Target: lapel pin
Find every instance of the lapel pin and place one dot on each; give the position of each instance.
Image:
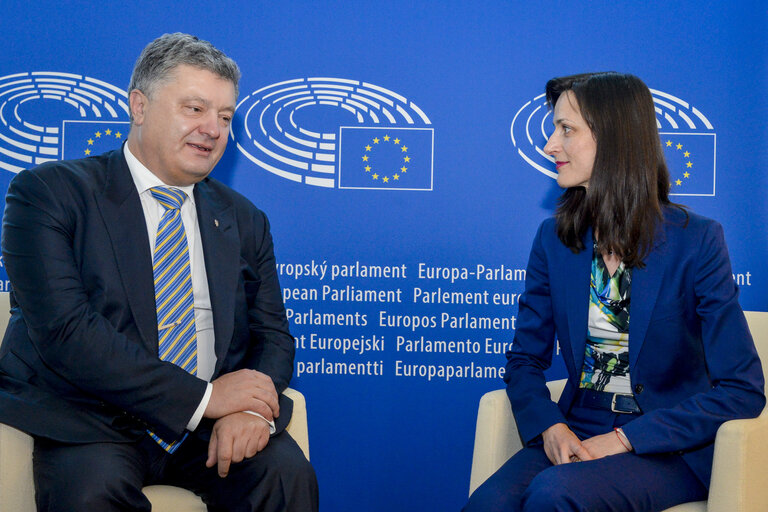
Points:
(216, 222)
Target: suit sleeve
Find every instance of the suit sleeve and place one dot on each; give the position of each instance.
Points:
(73, 340)
(273, 345)
(734, 370)
(532, 350)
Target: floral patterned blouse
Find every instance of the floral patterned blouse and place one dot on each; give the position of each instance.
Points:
(606, 358)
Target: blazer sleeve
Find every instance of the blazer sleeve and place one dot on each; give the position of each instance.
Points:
(735, 375)
(274, 346)
(92, 360)
(532, 349)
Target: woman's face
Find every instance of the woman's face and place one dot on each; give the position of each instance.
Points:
(572, 144)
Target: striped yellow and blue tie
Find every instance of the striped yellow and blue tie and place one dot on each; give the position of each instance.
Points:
(173, 291)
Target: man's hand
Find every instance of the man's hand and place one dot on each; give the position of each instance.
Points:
(562, 446)
(236, 437)
(604, 445)
(243, 390)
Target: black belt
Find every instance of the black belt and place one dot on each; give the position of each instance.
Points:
(615, 402)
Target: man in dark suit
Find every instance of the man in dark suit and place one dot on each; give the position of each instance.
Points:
(148, 341)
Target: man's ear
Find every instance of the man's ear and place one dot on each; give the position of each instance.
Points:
(138, 103)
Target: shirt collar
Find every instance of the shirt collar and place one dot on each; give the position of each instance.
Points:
(144, 179)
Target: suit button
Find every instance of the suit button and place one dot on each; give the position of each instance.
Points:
(638, 389)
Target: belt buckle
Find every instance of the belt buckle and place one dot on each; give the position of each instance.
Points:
(613, 403)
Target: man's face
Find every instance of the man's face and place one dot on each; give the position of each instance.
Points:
(180, 133)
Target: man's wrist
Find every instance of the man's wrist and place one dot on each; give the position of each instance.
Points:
(272, 428)
(194, 421)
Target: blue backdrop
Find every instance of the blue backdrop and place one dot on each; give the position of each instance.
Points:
(396, 147)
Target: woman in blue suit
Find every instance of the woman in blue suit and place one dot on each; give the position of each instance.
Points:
(639, 293)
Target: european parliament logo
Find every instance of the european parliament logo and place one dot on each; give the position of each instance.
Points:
(42, 114)
(336, 133)
(691, 162)
(385, 158)
(688, 139)
(690, 145)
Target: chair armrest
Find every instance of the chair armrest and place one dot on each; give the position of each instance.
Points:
(738, 470)
(496, 437)
(17, 490)
(297, 427)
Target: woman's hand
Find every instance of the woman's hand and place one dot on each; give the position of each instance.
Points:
(562, 446)
(606, 444)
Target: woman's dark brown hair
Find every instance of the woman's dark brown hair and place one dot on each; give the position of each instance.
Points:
(630, 181)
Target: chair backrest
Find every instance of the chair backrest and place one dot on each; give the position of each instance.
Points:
(17, 491)
(5, 313)
(758, 326)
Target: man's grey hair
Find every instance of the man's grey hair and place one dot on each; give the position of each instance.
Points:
(158, 60)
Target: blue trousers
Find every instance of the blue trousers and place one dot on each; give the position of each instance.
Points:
(627, 482)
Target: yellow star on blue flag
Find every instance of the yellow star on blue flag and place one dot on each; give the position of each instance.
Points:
(89, 138)
(691, 161)
(386, 158)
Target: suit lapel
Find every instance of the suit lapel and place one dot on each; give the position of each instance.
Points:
(120, 208)
(577, 295)
(646, 285)
(221, 248)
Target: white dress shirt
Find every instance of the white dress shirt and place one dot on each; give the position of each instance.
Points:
(144, 180)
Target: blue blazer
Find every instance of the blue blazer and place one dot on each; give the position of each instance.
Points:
(79, 360)
(692, 361)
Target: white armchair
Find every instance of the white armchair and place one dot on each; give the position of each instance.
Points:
(17, 491)
(741, 448)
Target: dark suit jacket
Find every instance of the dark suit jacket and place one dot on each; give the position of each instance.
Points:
(79, 360)
(693, 363)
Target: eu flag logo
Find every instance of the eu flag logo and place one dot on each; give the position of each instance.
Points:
(691, 161)
(386, 158)
(88, 138)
